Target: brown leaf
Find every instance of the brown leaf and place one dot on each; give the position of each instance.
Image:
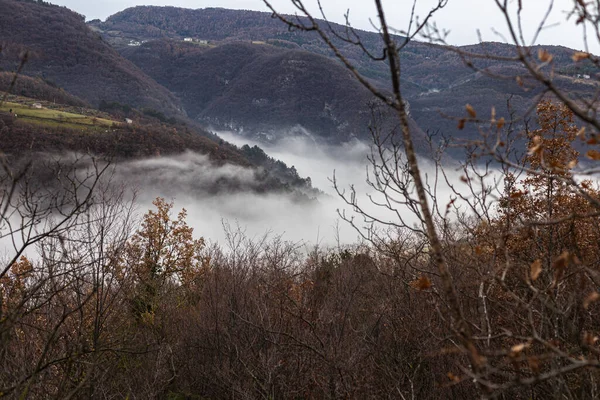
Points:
(518, 348)
(590, 339)
(500, 123)
(536, 145)
(561, 261)
(423, 283)
(536, 269)
(453, 377)
(471, 111)
(593, 154)
(593, 140)
(519, 81)
(544, 56)
(581, 133)
(593, 297)
(572, 164)
(461, 124)
(580, 55)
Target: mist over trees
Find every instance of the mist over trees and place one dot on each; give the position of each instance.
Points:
(493, 294)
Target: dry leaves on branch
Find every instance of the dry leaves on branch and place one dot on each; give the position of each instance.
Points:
(536, 269)
(544, 56)
(580, 55)
(500, 123)
(536, 145)
(593, 155)
(423, 283)
(471, 111)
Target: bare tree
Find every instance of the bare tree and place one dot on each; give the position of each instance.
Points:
(498, 359)
(58, 283)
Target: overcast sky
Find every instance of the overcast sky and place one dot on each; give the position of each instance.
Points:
(461, 17)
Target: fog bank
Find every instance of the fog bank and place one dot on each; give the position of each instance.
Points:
(226, 195)
(188, 180)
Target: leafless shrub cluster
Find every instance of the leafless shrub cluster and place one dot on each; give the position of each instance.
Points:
(510, 259)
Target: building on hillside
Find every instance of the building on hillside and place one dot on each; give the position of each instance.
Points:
(188, 39)
(128, 121)
(37, 105)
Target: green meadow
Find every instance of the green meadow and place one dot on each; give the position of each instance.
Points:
(51, 117)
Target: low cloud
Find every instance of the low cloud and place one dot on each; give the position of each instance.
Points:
(193, 182)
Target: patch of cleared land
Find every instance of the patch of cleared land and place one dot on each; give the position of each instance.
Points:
(26, 111)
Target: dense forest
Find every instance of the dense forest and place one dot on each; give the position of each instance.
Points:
(147, 309)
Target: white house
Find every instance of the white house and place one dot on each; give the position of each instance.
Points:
(127, 120)
(36, 105)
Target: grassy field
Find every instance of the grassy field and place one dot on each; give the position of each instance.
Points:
(45, 116)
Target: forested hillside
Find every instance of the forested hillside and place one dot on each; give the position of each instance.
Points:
(436, 81)
(62, 50)
(58, 130)
(262, 89)
(37, 88)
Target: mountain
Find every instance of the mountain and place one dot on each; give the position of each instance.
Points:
(260, 88)
(64, 52)
(435, 80)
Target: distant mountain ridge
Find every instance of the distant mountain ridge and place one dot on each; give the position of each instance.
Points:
(71, 68)
(435, 80)
(262, 90)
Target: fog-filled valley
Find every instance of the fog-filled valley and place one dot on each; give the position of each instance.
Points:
(306, 221)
